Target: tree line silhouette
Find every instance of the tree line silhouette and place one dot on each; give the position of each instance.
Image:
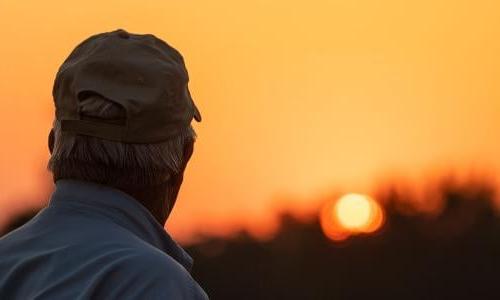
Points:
(453, 254)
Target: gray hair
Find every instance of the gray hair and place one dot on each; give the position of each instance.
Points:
(114, 163)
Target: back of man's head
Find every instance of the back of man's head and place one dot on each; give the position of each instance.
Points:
(122, 119)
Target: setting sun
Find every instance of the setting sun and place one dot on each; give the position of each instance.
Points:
(353, 211)
(351, 214)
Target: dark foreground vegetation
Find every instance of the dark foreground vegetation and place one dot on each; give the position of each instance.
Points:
(453, 254)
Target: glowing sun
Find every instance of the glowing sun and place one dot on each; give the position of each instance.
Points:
(351, 214)
(353, 211)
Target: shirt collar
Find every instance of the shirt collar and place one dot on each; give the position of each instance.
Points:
(122, 209)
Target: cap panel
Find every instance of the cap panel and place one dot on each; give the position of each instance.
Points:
(142, 73)
(64, 97)
(161, 124)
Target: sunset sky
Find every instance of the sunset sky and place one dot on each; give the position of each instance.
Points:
(298, 98)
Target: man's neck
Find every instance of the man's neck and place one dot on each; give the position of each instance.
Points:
(154, 198)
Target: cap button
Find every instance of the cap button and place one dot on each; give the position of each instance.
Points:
(123, 34)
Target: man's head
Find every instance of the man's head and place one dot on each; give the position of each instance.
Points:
(123, 114)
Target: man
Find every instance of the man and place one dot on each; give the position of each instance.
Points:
(119, 146)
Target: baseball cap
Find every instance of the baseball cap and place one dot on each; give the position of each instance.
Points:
(141, 73)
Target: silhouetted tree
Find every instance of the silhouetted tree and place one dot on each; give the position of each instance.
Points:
(450, 255)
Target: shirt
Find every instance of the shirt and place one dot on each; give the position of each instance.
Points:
(94, 242)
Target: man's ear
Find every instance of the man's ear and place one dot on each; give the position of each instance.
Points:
(51, 140)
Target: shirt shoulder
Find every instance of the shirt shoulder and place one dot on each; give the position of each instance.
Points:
(147, 274)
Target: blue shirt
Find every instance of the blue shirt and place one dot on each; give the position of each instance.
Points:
(94, 242)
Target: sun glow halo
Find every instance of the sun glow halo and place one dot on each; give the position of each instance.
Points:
(351, 214)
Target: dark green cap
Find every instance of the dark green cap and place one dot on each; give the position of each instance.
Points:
(141, 73)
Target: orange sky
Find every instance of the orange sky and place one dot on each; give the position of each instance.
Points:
(298, 97)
